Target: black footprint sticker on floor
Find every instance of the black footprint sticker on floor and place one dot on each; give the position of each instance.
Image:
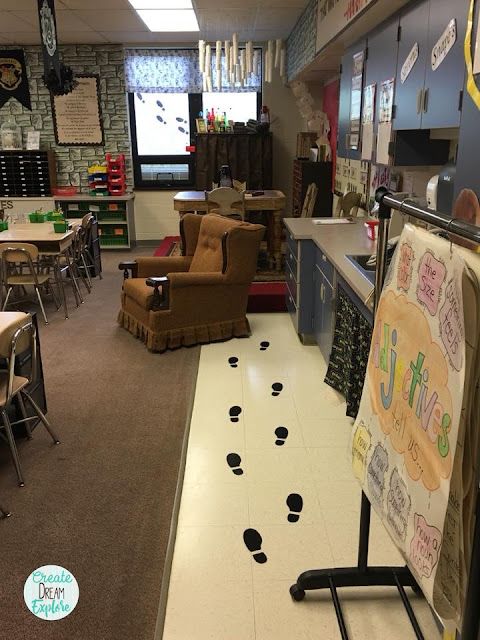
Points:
(234, 461)
(276, 388)
(253, 542)
(233, 362)
(234, 413)
(281, 433)
(295, 504)
(264, 345)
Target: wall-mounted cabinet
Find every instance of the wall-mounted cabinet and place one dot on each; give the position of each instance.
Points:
(430, 96)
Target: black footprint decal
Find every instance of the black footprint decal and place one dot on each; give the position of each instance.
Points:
(295, 504)
(234, 461)
(264, 346)
(281, 433)
(234, 413)
(233, 362)
(253, 542)
(276, 388)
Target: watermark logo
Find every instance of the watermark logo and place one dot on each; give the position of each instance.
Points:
(51, 592)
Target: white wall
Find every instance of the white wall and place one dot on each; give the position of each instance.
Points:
(286, 122)
(155, 216)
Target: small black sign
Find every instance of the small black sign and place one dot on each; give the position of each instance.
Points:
(13, 77)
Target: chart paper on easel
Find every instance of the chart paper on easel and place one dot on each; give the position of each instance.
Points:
(405, 436)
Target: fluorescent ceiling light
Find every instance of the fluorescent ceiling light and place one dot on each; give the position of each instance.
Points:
(162, 20)
(161, 4)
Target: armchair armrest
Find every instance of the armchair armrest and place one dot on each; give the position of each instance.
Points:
(161, 266)
(129, 266)
(188, 279)
(161, 300)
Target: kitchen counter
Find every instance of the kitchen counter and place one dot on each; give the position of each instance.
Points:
(337, 241)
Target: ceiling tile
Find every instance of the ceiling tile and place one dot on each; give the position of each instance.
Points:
(226, 4)
(25, 37)
(274, 18)
(85, 5)
(113, 20)
(13, 24)
(70, 21)
(18, 5)
(81, 37)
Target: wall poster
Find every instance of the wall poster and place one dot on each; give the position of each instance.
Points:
(386, 100)
(356, 99)
(405, 436)
(77, 116)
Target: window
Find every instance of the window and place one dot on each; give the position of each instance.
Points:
(163, 124)
(165, 97)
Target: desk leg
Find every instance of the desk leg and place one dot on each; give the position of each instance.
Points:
(59, 281)
(277, 238)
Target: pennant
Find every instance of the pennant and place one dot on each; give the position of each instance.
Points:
(13, 77)
(48, 33)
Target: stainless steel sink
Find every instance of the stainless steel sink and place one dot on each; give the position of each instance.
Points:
(360, 263)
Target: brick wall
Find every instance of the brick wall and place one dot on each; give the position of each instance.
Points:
(301, 43)
(72, 162)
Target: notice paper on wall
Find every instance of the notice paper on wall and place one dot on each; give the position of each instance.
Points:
(367, 141)
(404, 441)
(383, 140)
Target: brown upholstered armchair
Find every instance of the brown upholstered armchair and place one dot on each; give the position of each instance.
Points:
(198, 297)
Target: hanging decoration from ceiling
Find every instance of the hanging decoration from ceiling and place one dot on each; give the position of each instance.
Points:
(13, 77)
(233, 65)
(58, 78)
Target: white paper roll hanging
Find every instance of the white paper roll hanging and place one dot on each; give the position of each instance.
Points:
(282, 62)
(249, 61)
(256, 62)
(278, 48)
(227, 54)
(235, 49)
(267, 66)
(201, 55)
(238, 74)
(205, 85)
(208, 61)
(218, 54)
(230, 60)
(270, 60)
(209, 84)
(243, 66)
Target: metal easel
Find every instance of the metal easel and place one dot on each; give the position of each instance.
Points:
(364, 575)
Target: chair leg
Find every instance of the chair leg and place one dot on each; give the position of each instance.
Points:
(4, 513)
(59, 281)
(87, 273)
(76, 289)
(13, 446)
(23, 412)
(10, 289)
(41, 304)
(41, 415)
(92, 262)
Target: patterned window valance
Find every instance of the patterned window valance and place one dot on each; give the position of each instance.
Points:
(174, 71)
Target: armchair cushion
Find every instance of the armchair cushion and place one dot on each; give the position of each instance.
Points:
(151, 267)
(139, 292)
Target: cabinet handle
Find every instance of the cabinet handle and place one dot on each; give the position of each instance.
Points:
(425, 100)
(324, 257)
(322, 293)
(419, 100)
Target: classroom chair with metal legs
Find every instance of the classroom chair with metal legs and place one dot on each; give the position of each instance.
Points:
(17, 334)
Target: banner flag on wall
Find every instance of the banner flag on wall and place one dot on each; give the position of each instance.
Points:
(48, 32)
(13, 77)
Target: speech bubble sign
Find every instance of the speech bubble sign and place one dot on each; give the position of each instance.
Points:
(451, 325)
(405, 267)
(398, 505)
(377, 468)
(360, 446)
(424, 546)
(431, 274)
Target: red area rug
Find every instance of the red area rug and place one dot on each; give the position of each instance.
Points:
(263, 297)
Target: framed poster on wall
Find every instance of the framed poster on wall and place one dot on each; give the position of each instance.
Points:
(77, 116)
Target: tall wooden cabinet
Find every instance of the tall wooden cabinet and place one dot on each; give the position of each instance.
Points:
(320, 173)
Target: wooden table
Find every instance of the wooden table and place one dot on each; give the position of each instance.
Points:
(43, 236)
(271, 201)
(40, 234)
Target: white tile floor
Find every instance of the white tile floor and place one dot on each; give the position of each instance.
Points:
(217, 591)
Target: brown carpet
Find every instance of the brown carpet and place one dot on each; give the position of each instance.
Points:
(100, 504)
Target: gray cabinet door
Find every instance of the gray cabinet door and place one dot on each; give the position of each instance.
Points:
(327, 319)
(318, 278)
(382, 46)
(444, 84)
(414, 30)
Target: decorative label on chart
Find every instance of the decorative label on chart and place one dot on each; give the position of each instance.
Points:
(412, 399)
(444, 44)
(409, 63)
